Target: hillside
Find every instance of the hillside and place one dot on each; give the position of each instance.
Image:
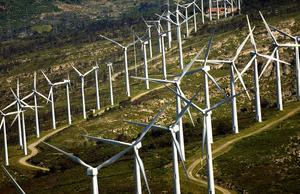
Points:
(80, 45)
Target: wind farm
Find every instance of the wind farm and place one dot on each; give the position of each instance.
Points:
(152, 97)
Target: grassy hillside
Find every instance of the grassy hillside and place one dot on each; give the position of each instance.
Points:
(55, 54)
(267, 162)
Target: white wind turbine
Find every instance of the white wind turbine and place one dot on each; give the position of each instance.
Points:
(173, 129)
(296, 39)
(93, 171)
(176, 82)
(3, 127)
(195, 7)
(82, 77)
(137, 159)
(125, 49)
(186, 7)
(149, 37)
(22, 106)
(277, 46)
(110, 70)
(144, 49)
(253, 61)
(66, 82)
(233, 69)
(178, 24)
(35, 95)
(20, 190)
(157, 24)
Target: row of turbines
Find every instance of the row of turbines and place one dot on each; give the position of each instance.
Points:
(176, 129)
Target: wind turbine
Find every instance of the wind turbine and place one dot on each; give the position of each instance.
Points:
(21, 111)
(125, 49)
(173, 129)
(51, 97)
(253, 61)
(110, 69)
(195, 7)
(149, 37)
(20, 190)
(35, 95)
(232, 65)
(296, 39)
(156, 23)
(186, 7)
(178, 24)
(277, 46)
(93, 171)
(3, 127)
(144, 48)
(82, 77)
(176, 82)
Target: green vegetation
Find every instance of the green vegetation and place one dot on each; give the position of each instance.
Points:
(41, 28)
(54, 51)
(266, 162)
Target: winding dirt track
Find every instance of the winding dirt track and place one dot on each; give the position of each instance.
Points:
(34, 151)
(192, 170)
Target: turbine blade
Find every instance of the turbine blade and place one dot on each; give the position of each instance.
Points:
(28, 96)
(179, 152)
(154, 80)
(224, 101)
(282, 32)
(268, 28)
(187, 67)
(109, 141)
(145, 124)
(77, 71)
(239, 50)
(142, 168)
(38, 93)
(13, 180)
(48, 80)
(251, 34)
(189, 112)
(248, 65)
(113, 41)
(242, 81)
(209, 47)
(70, 155)
(215, 82)
(10, 105)
(274, 59)
(267, 64)
(186, 100)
